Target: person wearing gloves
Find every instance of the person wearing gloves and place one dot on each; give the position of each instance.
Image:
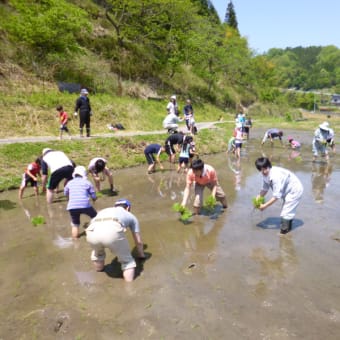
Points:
(84, 107)
(319, 144)
(108, 230)
(285, 185)
(60, 166)
(79, 191)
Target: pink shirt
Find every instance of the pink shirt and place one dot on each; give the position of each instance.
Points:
(208, 176)
(295, 144)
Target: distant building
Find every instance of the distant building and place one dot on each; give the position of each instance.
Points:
(335, 99)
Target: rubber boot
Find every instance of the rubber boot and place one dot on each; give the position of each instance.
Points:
(290, 225)
(81, 132)
(284, 226)
(87, 132)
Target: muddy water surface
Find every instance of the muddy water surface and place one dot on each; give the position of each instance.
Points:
(228, 275)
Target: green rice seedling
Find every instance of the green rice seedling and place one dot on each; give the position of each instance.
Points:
(185, 212)
(257, 201)
(210, 203)
(38, 220)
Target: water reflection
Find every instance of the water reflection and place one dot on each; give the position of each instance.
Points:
(275, 270)
(235, 166)
(321, 176)
(167, 185)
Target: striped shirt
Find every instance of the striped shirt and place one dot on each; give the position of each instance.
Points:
(79, 190)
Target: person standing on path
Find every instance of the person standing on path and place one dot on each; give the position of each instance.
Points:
(84, 107)
(63, 117)
(285, 185)
(172, 106)
(189, 115)
(79, 191)
(108, 230)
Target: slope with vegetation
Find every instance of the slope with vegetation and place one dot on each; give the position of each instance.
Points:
(127, 52)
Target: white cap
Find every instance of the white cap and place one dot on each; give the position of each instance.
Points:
(84, 91)
(324, 126)
(79, 170)
(173, 97)
(46, 150)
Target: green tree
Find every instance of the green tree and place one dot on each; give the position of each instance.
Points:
(47, 26)
(230, 17)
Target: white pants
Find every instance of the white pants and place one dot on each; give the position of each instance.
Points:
(109, 234)
(290, 203)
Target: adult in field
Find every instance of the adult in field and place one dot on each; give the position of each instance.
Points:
(173, 144)
(59, 166)
(108, 230)
(320, 140)
(271, 134)
(85, 112)
(152, 154)
(285, 185)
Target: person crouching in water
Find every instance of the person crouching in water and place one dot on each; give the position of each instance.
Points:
(108, 230)
(31, 176)
(79, 191)
(202, 175)
(285, 185)
(185, 153)
(98, 165)
(152, 154)
(294, 144)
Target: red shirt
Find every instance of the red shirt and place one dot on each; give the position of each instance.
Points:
(63, 117)
(208, 176)
(34, 169)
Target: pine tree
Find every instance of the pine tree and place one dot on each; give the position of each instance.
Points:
(230, 16)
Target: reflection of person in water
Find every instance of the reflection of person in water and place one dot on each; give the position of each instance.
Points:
(235, 167)
(275, 270)
(321, 175)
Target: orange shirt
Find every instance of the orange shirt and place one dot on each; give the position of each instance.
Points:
(208, 176)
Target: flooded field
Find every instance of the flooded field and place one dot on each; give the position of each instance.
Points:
(228, 275)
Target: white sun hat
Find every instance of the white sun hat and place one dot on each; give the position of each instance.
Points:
(79, 170)
(324, 126)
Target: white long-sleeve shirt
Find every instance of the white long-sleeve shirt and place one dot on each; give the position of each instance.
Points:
(282, 182)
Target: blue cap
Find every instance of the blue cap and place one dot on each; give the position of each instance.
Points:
(123, 201)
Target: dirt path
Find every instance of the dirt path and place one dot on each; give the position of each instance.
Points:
(124, 133)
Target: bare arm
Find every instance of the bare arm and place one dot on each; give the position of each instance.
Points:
(139, 244)
(213, 191)
(269, 203)
(186, 195)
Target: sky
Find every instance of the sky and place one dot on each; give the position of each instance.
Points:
(285, 23)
